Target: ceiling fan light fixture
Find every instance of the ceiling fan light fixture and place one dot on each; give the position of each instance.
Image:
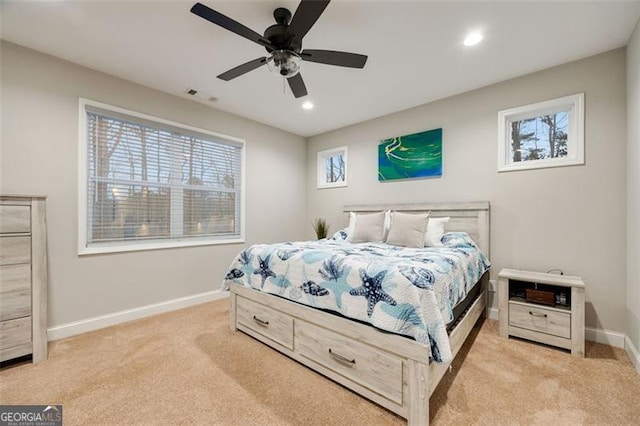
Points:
(284, 63)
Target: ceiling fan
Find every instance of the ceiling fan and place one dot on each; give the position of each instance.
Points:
(283, 41)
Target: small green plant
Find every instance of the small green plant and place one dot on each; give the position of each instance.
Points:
(320, 227)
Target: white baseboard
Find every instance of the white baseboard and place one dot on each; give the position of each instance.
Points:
(607, 337)
(102, 321)
(633, 353)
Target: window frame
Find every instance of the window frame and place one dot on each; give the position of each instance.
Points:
(573, 105)
(137, 245)
(321, 164)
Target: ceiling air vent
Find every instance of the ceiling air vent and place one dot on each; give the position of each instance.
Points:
(200, 96)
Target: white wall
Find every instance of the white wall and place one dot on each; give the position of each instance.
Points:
(39, 156)
(571, 217)
(633, 187)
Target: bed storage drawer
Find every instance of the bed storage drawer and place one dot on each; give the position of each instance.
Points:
(549, 321)
(374, 369)
(265, 321)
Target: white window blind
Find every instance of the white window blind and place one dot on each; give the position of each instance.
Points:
(153, 181)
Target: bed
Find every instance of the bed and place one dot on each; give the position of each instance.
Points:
(397, 364)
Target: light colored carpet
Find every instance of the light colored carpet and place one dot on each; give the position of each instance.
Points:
(187, 367)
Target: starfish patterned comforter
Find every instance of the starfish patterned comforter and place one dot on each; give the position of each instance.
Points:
(407, 291)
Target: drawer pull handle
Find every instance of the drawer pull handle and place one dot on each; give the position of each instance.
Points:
(261, 322)
(348, 362)
(535, 314)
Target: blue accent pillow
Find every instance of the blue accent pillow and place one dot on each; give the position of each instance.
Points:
(341, 235)
(457, 239)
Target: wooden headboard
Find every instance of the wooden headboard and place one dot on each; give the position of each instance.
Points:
(472, 218)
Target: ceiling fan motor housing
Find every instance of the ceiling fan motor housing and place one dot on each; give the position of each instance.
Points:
(278, 36)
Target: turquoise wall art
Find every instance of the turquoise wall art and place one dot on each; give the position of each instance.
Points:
(418, 155)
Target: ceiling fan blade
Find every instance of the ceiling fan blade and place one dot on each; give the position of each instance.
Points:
(332, 57)
(306, 15)
(227, 23)
(297, 86)
(242, 69)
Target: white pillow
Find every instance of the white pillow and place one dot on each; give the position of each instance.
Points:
(352, 223)
(387, 222)
(369, 227)
(407, 229)
(435, 231)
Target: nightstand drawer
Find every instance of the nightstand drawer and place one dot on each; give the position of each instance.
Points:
(265, 321)
(543, 320)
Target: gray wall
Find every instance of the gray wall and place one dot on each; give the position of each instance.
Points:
(570, 217)
(633, 187)
(39, 156)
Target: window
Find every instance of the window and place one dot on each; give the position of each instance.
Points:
(545, 134)
(332, 168)
(149, 183)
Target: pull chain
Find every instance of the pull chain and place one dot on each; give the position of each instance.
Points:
(284, 90)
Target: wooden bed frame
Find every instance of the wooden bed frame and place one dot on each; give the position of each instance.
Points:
(390, 370)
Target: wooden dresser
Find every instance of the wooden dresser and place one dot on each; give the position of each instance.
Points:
(23, 277)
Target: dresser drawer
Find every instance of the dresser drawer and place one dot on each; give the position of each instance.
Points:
(549, 321)
(374, 369)
(15, 332)
(15, 250)
(265, 321)
(15, 219)
(15, 291)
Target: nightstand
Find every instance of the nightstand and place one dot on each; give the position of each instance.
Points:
(542, 307)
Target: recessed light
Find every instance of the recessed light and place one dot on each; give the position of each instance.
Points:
(307, 105)
(472, 39)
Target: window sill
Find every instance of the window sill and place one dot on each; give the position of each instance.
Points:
(541, 164)
(332, 185)
(122, 247)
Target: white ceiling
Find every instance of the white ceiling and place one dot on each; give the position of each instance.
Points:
(415, 49)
